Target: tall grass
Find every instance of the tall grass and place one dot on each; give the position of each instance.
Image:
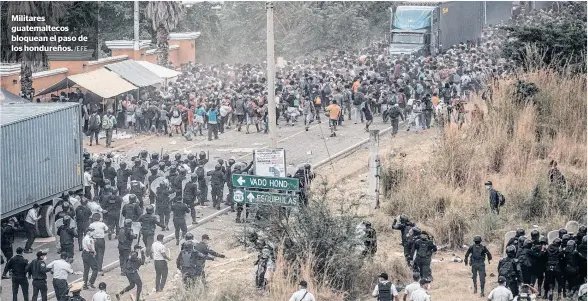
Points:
(511, 147)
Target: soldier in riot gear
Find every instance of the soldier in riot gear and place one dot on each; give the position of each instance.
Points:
(564, 240)
(204, 249)
(125, 242)
(509, 268)
(88, 161)
(192, 163)
(83, 215)
(216, 185)
(581, 233)
(178, 159)
(112, 206)
(98, 176)
(163, 203)
(138, 172)
(66, 237)
(143, 155)
(180, 210)
(138, 189)
(122, 178)
(189, 197)
(478, 254)
(262, 264)
(172, 172)
(154, 160)
(162, 168)
(148, 222)
(537, 252)
(403, 225)
(370, 242)
(562, 232)
(132, 210)
(178, 183)
(230, 186)
(165, 159)
(189, 262)
(553, 271)
(154, 175)
(515, 240)
(109, 171)
(570, 263)
(422, 252)
(202, 187)
(525, 259)
(202, 159)
(132, 265)
(520, 243)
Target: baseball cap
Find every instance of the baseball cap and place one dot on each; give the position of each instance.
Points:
(501, 279)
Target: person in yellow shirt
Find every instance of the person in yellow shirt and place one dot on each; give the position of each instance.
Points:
(333, 110)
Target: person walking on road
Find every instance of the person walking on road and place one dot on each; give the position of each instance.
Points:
(89, 259)
(108, 124)
(334, 112)
(132, 272)
(31, 226)
(303, 294)
(61, 270)
(17, 267)
(100, 230)
(160, 261)
(501, 293)
(37, 270)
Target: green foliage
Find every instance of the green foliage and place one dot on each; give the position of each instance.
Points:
(560, 39)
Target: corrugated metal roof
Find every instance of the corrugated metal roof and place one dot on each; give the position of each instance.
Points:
(135, 73)
(11, 113)
(84, 55)
(159, 70)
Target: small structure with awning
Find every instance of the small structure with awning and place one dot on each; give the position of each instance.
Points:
(101, 82)
(169, 75)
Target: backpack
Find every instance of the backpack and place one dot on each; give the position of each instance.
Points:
(504, 268)
(94, 123)
(477, 251)
(327, 89)
(423, 250)
(501, 199)
(107, 123)
(200, 173)
(139, 111)
(186, 259)
(317, 100)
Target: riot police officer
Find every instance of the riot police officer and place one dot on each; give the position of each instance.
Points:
(230, 186)
(478, 254)
(148, 222)
(154, 175)
(122, 178)
(510, 268)
(37, 270)
(163, 203)
(423, 248)
(113, 206)
(109, 171)
(132, 265)
(66, 237)
(154, 160)
(138, 189)
(553, 269)
(178, 159)
(138, 172)
(216, 185)
(202, 187)
(125, 241)
(371, 242)
(190, 193)
(179, 210)
(165, 159)
(403, 225)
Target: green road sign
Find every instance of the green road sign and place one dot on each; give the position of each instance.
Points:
(265, 198)
(246, 181)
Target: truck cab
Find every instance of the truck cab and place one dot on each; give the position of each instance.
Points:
(410, 30)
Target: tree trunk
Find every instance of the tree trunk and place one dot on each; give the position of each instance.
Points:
(26, 81)
(162, 46)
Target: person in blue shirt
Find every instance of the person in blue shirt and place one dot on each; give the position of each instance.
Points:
(199, 116)
(212, 122)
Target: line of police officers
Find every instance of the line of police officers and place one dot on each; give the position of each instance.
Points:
(418, 245)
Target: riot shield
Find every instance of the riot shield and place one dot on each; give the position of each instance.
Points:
(552, 235)
(572, 227)
(507, 236)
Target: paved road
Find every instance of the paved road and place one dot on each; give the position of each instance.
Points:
(301, 146)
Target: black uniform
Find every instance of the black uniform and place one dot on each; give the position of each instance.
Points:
(163, 204)
(202, 187)
(37, 269)
(150, 180)
(113, 206)
(148, 222)
(478, 254)
(98, 178)
(404, 229)
(524, 257)
(132, 272)
(206, 251)
(17, 267)
(190, 194)
(110, 173)
(138, 190)
(122, 180)
(553, 271)
(189, 263)
(570, 267)
(138, 173)
(132, 211)
(230, 186)
(7, 241)
(216, 187)
(125, 241)
(66, 239)
(371, 245)
(424, 248)
(180, 210)
(83, 215)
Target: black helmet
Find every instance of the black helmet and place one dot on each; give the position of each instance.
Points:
(582, 230)
(123, 165)
(137, 161)
(182, 172)
(477, 239)
(511, 250)
(153, 169)
(231, 161)
(107, 161)
(178, 156)
(86, 154)
(571, 243)
(404, 218)
(128, 222)
(557, 242)
(562, 231)
(193, 177)
(307, 166)
(149, 209)
(144, 153)
(165, 157)
(189, 236)
(527, 243)
(522, 240)
(202, 155)
(110, 155)
(217, 167)
(191, 157)
(220, 161)
(161, 164)
(535, 235)
(565, 237)
(543, 240)
(132, 198)
(520, 232)
(416, 231)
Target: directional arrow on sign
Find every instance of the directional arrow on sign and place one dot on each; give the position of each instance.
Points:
(250, 197)
(241, 181)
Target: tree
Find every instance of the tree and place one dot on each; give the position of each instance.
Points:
(164, 16)
(30, 60)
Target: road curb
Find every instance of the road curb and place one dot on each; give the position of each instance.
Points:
(166, 240)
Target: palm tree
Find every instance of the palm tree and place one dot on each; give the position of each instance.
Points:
(33, 60)
(164, 16)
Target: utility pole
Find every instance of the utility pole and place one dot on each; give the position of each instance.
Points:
(136, 25)
(271, 75)
(374, 168)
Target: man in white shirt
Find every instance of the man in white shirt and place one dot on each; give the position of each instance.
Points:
(100, 230)
(302, 294)
(409, 289)
(421, 294)
(160, 260)
(89, 258)
(385, 290)
(31, 226)
(501, 293)
(88, 183)
(101, 295)
(61, 270)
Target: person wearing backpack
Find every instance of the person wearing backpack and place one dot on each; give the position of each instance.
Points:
(496, 198)
(94, 124)
(108, 124)
(476, 255)
(422, 252)
(553, 269)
